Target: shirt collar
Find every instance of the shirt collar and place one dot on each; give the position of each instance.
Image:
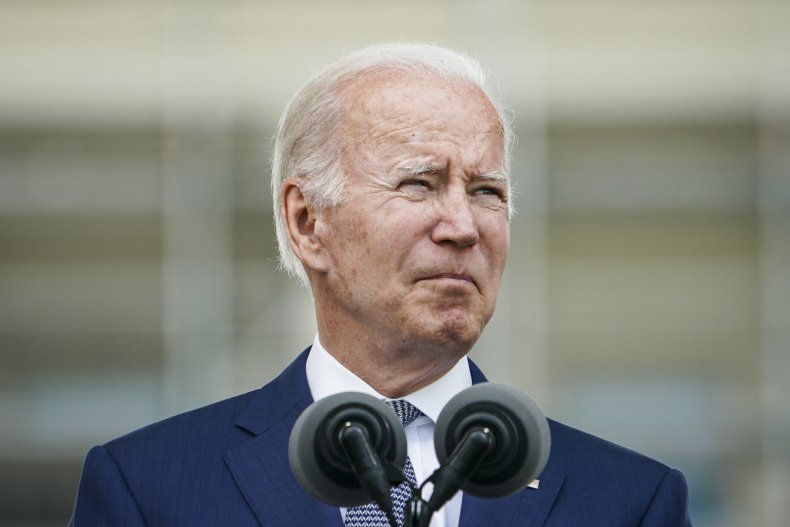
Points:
(326, 376)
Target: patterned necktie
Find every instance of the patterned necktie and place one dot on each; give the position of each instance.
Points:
(370, 514)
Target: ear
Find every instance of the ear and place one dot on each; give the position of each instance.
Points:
(300, 223)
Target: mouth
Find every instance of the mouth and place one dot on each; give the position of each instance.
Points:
(457, 277)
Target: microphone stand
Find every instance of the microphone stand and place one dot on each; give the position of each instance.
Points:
(417, 513)
(450, 477)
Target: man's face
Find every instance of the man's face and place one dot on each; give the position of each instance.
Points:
(417, 248)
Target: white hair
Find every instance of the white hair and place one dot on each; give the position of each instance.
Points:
(307, 143)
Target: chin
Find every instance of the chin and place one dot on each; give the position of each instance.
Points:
(451, 330)
(458, 336)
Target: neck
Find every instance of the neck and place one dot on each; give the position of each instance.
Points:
(393, 370)
(393, 380)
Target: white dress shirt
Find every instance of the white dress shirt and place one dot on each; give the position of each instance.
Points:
(326, 376)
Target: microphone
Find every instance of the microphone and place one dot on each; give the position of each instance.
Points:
(491, 440)
(345, 450)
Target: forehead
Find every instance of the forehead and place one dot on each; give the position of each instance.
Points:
(390, 103)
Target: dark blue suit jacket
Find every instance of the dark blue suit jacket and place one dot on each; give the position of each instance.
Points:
(227, 465)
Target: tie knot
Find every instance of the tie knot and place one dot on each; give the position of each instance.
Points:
(406, 411)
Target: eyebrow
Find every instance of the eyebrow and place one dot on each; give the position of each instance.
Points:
(494, 175)
(418, 169)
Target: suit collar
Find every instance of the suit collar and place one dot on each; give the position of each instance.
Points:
(477, 374)
(260, 465)
(278, 400)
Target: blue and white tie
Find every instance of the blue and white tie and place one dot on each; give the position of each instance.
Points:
(370, 514)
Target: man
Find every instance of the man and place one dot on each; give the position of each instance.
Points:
(392, 202)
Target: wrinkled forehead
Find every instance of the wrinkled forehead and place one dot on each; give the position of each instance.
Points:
(386, 101)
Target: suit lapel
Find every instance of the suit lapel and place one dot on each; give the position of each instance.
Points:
(528, 507)
(260, 465)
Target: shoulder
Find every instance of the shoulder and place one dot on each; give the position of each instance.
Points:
(209, 426)
(607, 481)
(220, 424)
(580, 451)
(178, 460)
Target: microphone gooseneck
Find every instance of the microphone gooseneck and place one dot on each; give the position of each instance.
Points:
(365, 463)
(466, 457)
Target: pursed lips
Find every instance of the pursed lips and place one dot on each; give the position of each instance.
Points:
(452, 276)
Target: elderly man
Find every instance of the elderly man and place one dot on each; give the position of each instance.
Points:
(392, 203)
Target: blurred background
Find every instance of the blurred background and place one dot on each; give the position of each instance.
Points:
(648, 291)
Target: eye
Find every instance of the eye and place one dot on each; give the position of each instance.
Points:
(490, 191)
(416, 185)
(418, 182)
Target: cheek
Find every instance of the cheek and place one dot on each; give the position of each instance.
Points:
(369, 242)
(344, 239)
(495, 224)
(402, 223)
(497, 238)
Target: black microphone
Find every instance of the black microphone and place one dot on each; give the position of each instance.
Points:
(491, 440)
(344, 450)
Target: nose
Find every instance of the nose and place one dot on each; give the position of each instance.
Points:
(456, 223)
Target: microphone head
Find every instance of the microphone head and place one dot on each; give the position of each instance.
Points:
(317, 458)
(522, 440)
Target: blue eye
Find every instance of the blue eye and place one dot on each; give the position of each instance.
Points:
(490, 191)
